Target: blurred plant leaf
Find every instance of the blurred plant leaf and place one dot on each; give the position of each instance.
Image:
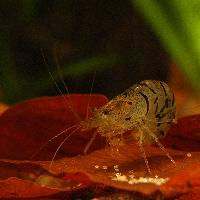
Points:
(91, 64)
(177, 24)
(9, 82)
(27, 86)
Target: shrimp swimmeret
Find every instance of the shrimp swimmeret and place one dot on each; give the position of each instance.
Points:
(147, 109)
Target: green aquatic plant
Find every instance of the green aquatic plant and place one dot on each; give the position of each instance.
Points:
(177, 25)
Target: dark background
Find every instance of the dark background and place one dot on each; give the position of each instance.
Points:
(106, 37)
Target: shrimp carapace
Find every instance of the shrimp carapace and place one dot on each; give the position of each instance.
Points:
(146, 106)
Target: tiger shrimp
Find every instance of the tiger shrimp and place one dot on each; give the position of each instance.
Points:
(147, 109)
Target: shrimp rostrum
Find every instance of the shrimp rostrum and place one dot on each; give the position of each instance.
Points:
(147, 109)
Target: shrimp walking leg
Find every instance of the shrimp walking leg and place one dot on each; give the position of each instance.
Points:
(160, 145)
(90, 143)
(141, 148)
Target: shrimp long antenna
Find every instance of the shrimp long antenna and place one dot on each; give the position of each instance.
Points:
(66, 99)
(61, 144)
(92, 86)
(53, 138)
(60, 72)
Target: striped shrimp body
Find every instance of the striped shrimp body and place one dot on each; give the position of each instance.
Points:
(147, 109)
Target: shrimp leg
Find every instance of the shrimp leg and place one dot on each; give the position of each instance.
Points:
(141, 148)
(90, 142)
(159, 144)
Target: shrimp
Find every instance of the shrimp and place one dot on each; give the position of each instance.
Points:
(147, 109)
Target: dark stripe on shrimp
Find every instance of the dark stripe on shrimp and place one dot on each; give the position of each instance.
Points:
(147, 101)
(162, 109)
(173, 100)
(160, 116)
(156, 99)
(144, 84)
(163, 88)
(156, 110)
(166, 103)
(160, 113)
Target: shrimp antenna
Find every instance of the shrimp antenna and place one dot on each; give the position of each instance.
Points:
(61, 144)
(53, 138)
(60, 71)
(89, 100)
(65, 97)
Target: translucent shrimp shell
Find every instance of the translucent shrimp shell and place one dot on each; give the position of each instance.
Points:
(147, 107)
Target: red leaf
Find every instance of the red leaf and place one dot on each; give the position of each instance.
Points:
(185, 135)
(28, 125)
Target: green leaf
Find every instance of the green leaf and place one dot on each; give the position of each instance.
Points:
(91, 64)
(177, 25)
